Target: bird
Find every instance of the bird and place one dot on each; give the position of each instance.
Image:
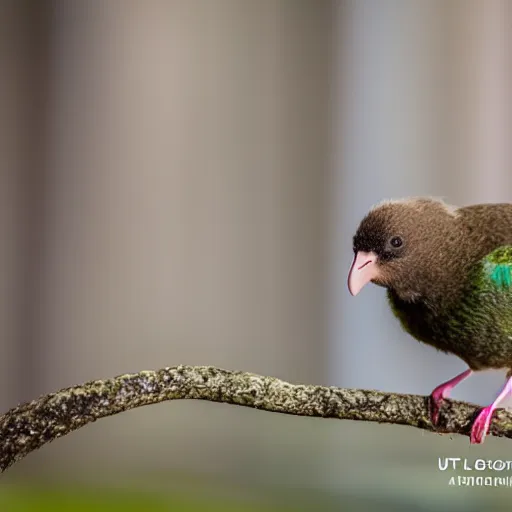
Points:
(448, 275)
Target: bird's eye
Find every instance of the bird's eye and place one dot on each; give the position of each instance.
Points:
(396, 242)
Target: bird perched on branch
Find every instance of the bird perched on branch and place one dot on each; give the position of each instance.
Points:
(448, 274)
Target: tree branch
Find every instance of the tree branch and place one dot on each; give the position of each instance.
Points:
(31, 425)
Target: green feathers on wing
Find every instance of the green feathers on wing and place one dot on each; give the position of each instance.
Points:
(498, 267)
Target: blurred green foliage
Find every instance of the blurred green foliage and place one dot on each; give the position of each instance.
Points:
(81, 499)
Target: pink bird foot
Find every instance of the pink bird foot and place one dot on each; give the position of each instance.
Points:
(437, 397)
(481, 425)
(442, 391)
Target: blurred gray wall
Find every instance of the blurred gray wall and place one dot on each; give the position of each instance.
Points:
(182, 214)
(24, 37)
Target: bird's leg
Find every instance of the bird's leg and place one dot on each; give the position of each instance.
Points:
(482, 423)
(443, 390)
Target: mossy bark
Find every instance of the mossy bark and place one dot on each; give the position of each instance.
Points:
(30, 426)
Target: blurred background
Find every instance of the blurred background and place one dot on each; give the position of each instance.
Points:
(180, 183)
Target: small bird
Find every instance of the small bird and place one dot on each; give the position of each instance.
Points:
(448, 274)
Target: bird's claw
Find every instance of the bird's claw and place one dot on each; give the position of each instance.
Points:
(436, 399)
(481, 425)
(434, 414)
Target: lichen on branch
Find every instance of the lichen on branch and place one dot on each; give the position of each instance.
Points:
(27, 427)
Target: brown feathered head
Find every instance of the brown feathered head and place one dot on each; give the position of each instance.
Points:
(399, 245)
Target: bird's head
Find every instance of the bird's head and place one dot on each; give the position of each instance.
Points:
(399, 244)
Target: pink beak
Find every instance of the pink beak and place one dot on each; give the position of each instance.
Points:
(363, 270)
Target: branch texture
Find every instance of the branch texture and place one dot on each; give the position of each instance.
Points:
(31, 425)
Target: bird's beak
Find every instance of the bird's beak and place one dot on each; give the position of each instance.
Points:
(363, 270)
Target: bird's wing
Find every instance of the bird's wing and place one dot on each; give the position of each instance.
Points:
(497, 269)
